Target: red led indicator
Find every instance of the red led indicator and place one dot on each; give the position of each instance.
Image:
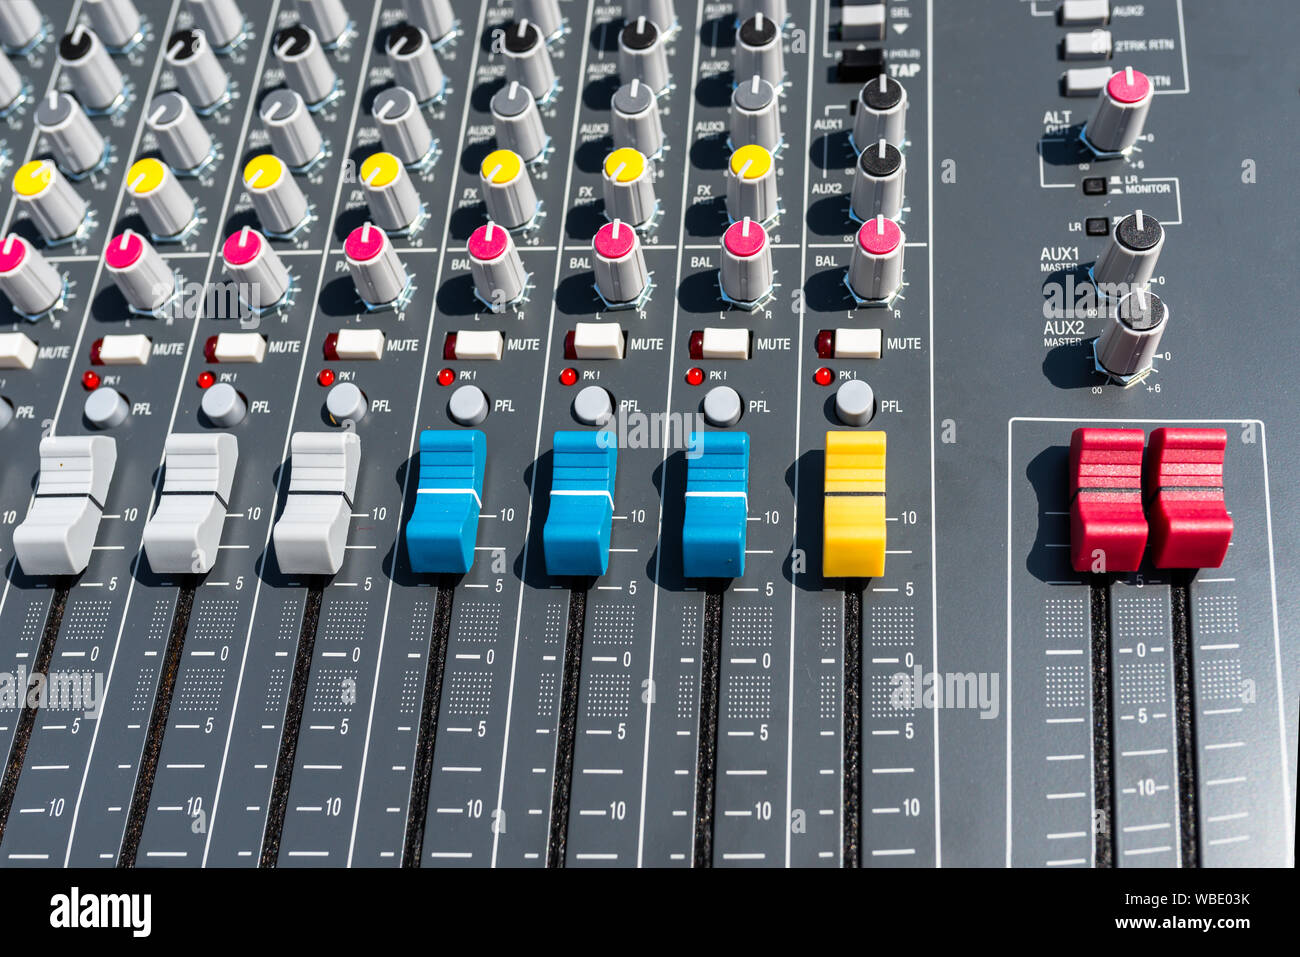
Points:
(446, 377)
(90, 379)
(823, 376)
(325, 377)
(694, 376)
(206, 380)
(568, 377)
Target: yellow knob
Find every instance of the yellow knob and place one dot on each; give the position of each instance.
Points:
(624, 165)
(32, 178)
(263, 172)
(145, 176)
(501, 166)
(751, 162)
(380, 169)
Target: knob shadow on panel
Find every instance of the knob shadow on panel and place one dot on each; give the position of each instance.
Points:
(538, 476)
(1065, 149)
(473, 155)
(267, 566)
(714, 92)
(1048, 475)
(584, 220)
(604, 35)
(699, 293)
(825, 292)
(710, 152)
(456, 297)
(828, 217)
(719, 32)
(833, 151)
(670, 478)
(481, 96)
(808, 536)
(590, 155)
(707, 219)
(464, 220)
(575, 295)
(109, 305)
(597, 94)
(338, 297)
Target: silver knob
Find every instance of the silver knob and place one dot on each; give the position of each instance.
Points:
(642, 56)
(277, 197)
(722, 407)
(20, 25)
(434, 17)
(660, 12)
(415, 64)
(878, 182)
(747, 274)
(518, 122)
(1129, 260)
(95, 77)
(345, 403)
(876, 263)
(49, 199)
(252, 263)
(294, 135)
(221, 20)
(144, 279)
(636, 121)
(12, 85)
(619, 263)
(593, 406)
(758, 49)
(163, 203)
(402, 127)
(855, 403)
(1121, 114)
(223, 406)
(629, 186)
(327, 18)
(390, 192)
(507, 189)
(27, 278)
(881, 113)
(77, 146)
(527, 61)
(116, 21)
(305, 65)
(468, 405)
(376, 270)
(182, 139)
(754, 115)
(544, 13)
(775, 9)
(1131, 339)
(105, 408)
(199, 73)
(751, 184)
(494, 264)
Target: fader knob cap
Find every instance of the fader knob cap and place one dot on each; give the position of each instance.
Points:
(414, 63)
(49, 199)
(1132, 335)
(376, 270)
(758, 49)
(163, 203)
(746, 275)
(182, 138)
(306, 67)
(435, 17)
(494, 263)
(77, 145)
(345, 403)
(754, 114)
(593, 406)
(881, 113)
(636, 121)
(1129, 260)
(468, 405)
(544, 13)
(402, 127)
(138, 271)
(876, 263)
(224, 407)
(199, 73)
(518, 122)
(117, 22)
(527, 61)
(95, 78)
(507, 189)
(27, 278)
(1121, 115)
(221, 20)
(294, 135)
(619, 263)
(105, 408)
(20, 25)
(256, 267)
(878, 182)
(722, 407)
(327, 18)
(855, 403)
(641, 54)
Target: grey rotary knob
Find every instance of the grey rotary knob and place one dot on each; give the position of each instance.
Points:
(6, 412)
(758, 49)
(182, 138)
(224, 407)
(660, 12)
(642, 55)
(855, 403)
(722, 407)
(77, 145)
(618, 263)
(518, 121)
(776, 9)
(49, 199)
(468, 405)
(494, 263)
(1129, 260)
(376, 270)
(415, 65)
(1121, 114)
(751, 184)
(306, 67)
(279, 200)
(1132, 335)
(544, 13)
(593, 406)
(20, 25)
(878, 182)
(434, 17)
(754, 114)
(105, 408)
(402, 127)
(199, 73)
(881, 113)
(636, 121)
(328, 19)
(294, 135)
(12, 85)
(628, 181)
(138, 271)
(117, 22)
(221, 20)
(390, 192)
(345, 403)
(96, 80)
(250, 261)
(527, 62)
(746, 275)
(507, 189)
(163, 203)
(876, 263)
(27, 278)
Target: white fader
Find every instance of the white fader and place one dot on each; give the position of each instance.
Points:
(59, 531)
(185, 531)
(312, 532)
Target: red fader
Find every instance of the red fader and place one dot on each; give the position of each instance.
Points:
(1190, 524)
(1108, 530)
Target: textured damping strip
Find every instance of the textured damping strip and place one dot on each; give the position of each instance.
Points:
(852, 814)
(1185, 729)
(1103, 815)
(562, 787)
(706, 762)
(422, 775)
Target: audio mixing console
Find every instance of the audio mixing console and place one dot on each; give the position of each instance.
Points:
(648, 433)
